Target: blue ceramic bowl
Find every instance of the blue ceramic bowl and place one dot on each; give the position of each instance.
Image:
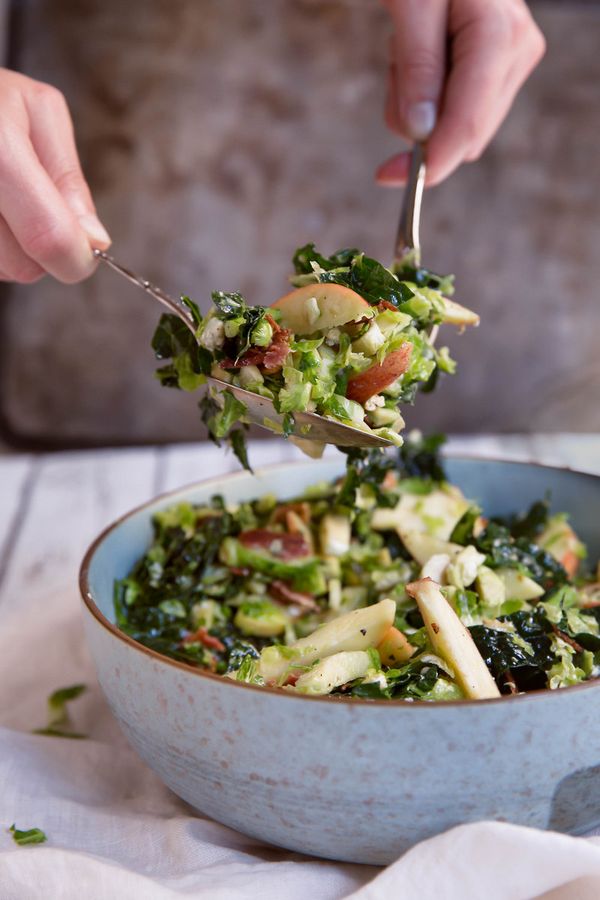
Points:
(363, 780)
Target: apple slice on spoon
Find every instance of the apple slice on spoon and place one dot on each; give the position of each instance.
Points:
(321, 306)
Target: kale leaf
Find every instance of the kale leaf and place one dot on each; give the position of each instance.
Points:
(419, 457)
(463, 530)
(153, 604)
(229, 304)
(422, 277)
(376, 283)
(502, 549)
(173, 339)
(367, 467)
(304, 256)
(190, 363)
(361, 273)
(531, 523)
(237, 439)
(503, 652)
(239, 652)
(220, 424)
(413, 681)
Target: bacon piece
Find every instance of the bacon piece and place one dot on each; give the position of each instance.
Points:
(242, 571)
(567, 639)
(252, 357)
(281, 591)
(201, 636)
(380, 375)
(385, 304)
(277, 351)
(390, 480)
(270, 358)
(301, 509)
(284, 546)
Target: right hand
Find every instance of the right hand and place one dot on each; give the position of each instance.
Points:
(48, 221)
(463, 59)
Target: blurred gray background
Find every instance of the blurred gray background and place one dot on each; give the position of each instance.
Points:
(219, 135)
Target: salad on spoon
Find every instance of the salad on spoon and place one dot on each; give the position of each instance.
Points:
(352, 343)
(331, 361)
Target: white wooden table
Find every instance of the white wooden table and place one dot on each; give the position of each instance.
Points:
(52, 506)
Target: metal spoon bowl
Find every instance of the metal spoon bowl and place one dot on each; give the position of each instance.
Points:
(306, 425)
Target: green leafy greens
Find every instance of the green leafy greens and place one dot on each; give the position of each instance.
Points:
(30, 836)
(59, 720)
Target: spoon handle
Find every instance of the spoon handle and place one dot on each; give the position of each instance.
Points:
(407, 239)
(174, 305)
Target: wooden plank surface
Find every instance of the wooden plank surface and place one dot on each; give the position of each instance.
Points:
(185, 463)
(74, 496)
(17, 474)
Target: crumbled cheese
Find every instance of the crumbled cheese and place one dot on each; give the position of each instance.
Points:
(373, 677)
(435, 567)
(333, 337)
(463, 570)
(374, 402)
(335, 593)
(213, 336)
(313, 311)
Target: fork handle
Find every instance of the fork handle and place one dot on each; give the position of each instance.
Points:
(407, 239)
(174, 305)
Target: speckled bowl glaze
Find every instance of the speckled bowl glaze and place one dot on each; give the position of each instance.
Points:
(350, 780)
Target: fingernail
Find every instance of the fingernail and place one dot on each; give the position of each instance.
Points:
(95, 230)
(420, 119)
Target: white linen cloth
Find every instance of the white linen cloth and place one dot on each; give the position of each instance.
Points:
(115, 831)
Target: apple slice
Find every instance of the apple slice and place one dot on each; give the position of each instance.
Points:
(395, 649)
(455, 314)
(319, 307)
(379, 376)
(356, 630)
(452, 641)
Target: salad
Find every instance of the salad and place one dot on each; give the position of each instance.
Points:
(387, 584)
(353, 341)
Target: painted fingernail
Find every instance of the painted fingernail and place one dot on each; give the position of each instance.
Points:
(420, 119)
(95, 230)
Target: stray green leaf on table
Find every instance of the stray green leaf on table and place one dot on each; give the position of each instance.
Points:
(59, 720)
(31, 836)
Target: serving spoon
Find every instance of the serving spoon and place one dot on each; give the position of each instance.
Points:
(407, 238)
(308, 426)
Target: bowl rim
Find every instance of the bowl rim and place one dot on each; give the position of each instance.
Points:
(115, 631)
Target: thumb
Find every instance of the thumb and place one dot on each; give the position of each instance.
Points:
(419, 57)
(76, 194)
